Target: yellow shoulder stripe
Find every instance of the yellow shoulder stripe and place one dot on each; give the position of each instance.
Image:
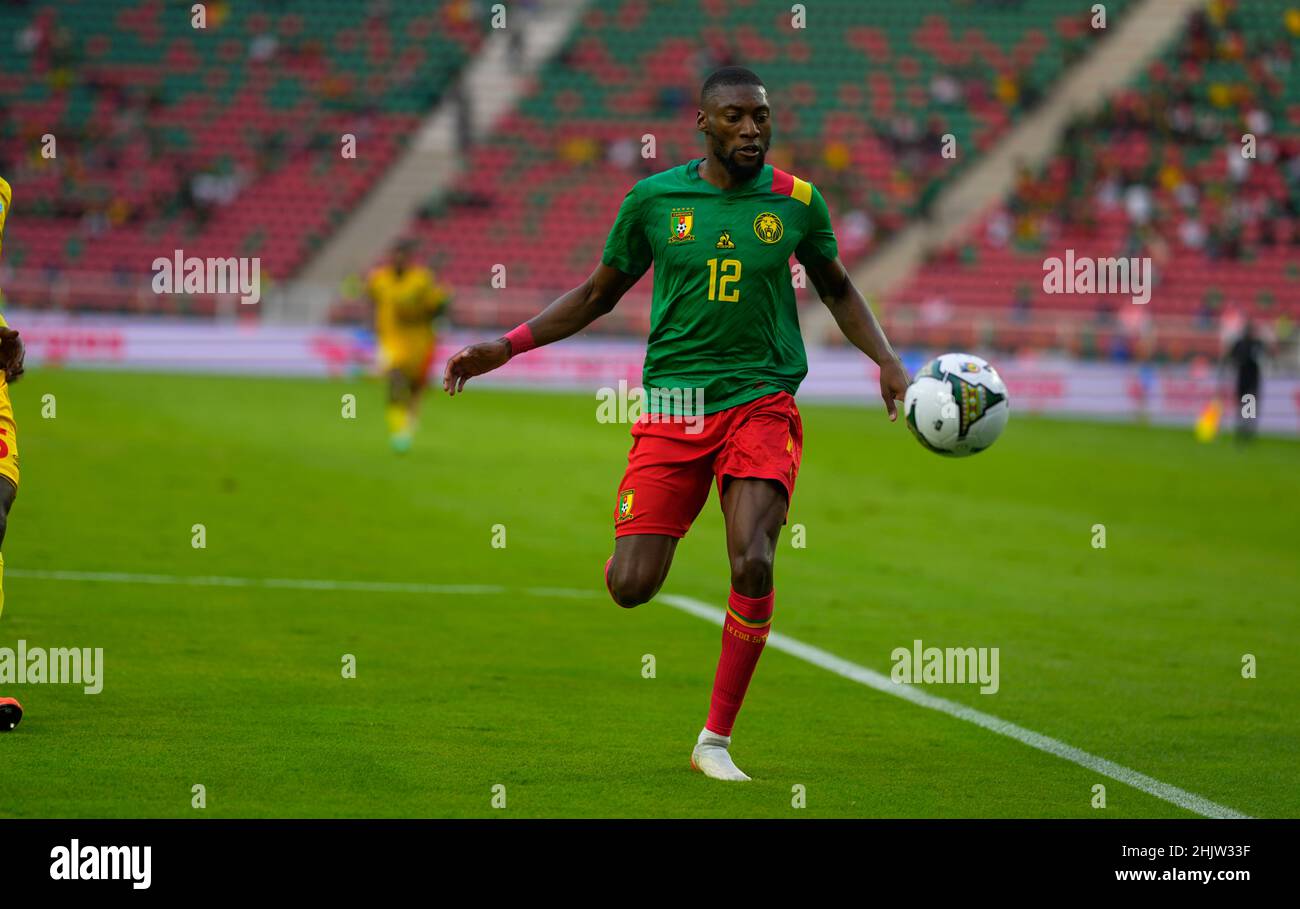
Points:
(802, 191)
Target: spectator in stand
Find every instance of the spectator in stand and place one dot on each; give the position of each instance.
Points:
(1022, 304)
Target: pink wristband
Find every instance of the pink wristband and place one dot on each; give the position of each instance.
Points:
(521, 339)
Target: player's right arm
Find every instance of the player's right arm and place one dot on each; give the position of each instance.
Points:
(568, 315)
(626, 258)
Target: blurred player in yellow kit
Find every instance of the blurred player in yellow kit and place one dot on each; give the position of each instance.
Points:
(407, 298)
(11, 367)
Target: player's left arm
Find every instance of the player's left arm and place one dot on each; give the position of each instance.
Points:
(859, 325)
(11, 354)
(819, 253)
(11, 346)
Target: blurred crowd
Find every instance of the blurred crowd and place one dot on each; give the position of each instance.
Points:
(1170, 155)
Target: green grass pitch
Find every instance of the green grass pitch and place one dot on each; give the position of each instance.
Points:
(1132, 653)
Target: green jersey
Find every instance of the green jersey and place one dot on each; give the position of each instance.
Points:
(723, 320)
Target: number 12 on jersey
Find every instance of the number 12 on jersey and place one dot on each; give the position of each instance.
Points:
(722, 278)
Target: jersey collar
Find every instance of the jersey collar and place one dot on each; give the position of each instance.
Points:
(693, 175)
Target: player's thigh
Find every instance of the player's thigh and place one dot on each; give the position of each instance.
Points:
(754, 510)
(756, 473)
(8, 443)
(666, 482)
(415, 363)
(764, 449)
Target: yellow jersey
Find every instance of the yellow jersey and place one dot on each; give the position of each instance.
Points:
(6, 196)
(405, 305)
(8, 431)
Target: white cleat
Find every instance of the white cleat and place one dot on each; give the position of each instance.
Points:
(711, 758)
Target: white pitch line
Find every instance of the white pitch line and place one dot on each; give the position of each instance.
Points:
(806, 652)
(117, 577)
(872, 679)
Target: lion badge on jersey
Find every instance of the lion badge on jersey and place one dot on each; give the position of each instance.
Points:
(681, 222)
(768, 228)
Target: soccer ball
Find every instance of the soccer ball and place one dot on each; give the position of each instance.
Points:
(956, 405)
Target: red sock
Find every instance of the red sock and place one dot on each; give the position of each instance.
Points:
(744, 632)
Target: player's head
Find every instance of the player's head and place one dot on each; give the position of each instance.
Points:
(736, 120)
(402, 253)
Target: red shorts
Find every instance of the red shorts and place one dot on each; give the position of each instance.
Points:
(670, 469)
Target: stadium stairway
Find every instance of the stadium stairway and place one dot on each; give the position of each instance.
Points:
(492, 86)
(1139, 37)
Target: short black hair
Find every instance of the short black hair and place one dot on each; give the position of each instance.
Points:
(729, 75)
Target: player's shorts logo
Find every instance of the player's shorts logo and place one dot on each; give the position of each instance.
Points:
(680, 222)
(768, 228)
(625, 504)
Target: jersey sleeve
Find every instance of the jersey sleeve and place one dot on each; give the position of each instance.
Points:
(6, 196)
(818, 241)
(627, 248)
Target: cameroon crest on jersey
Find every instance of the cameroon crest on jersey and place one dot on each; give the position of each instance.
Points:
(625, 505)
(682, 222)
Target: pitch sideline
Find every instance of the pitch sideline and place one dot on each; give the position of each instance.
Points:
(808, 653)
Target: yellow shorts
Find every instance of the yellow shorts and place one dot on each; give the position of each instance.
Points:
(410, 356)
(8, 436)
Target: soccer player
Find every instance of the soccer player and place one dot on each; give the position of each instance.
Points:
(407, 298)
(11, 367)
(720, 231)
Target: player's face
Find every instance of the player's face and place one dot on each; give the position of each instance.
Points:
(738, 123)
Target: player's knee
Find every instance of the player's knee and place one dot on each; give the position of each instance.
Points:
(751, 571)
(631, 586)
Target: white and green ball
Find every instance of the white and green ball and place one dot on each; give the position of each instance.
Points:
(956, 405)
